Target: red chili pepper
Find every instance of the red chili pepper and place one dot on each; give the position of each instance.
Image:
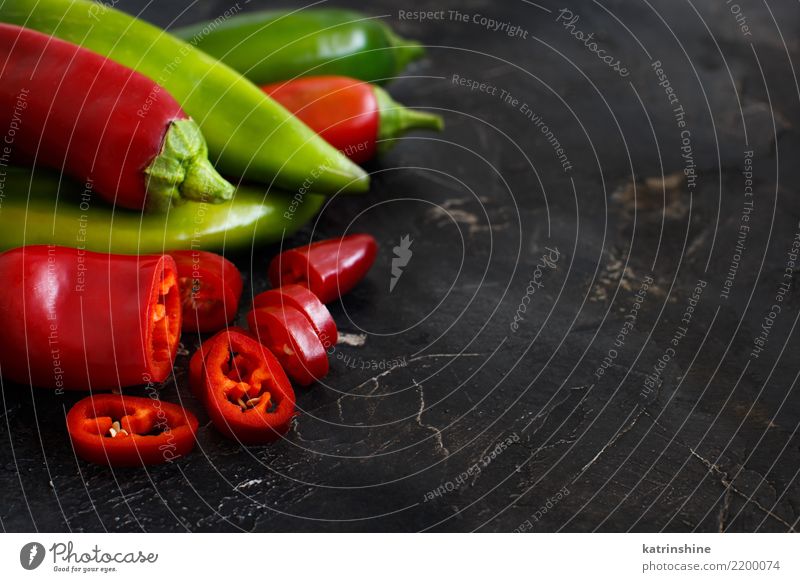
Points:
(305, 302)
(289, 335)
(329, 268)
(79, 320)
(245, 390)
(354, 117)
(108, 126)
(211, 287)
(129, 431)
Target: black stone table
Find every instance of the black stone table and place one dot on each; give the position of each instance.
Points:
(596, 328)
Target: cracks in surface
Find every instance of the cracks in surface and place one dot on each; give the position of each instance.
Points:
(724, 511)
(714, 469)
(725, 481)
(545, 414)
(612, 441)
(247, 483)
(377, 385)
(438, 434)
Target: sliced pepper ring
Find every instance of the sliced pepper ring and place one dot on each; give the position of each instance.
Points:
(197, 363)
(292, 339)
(305, 302)
(245, 390)
(128, 431)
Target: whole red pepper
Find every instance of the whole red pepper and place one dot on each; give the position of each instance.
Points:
(129, 431)
(211, 287)
(355, 117)
(244, 389)
(79, 320)
(114, 129)
(329, 268)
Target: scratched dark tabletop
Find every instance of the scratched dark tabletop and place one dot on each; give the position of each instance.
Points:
(586, 335)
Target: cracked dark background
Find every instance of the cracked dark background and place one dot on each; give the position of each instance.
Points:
(713, 446)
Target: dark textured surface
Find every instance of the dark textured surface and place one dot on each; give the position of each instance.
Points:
(713, 446)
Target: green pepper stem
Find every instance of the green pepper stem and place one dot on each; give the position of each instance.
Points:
(181, 171)
(395, 120)
(404, 50)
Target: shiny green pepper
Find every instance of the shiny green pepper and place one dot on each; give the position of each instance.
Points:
(39, 207)
(278, 45)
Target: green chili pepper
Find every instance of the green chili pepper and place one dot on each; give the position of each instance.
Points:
(251, 135)
(276, 45)
(40, 208)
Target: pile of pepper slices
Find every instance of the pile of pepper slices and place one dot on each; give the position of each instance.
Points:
(121, 144)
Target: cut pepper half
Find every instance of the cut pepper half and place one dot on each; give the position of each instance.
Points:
(164, 321)
(329, 268)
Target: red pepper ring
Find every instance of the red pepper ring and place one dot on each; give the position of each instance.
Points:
(211, 287)
(197, 362)
(290, 337)
(329, 268)
(129, 431)
(306, 303)
(246, 392)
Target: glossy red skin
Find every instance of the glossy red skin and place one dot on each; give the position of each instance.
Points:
(216, 284)
(197, 363)
(342, 110)
(77, 320)
(291, 338)
(259, 373)
(83, 113)
(306, 303)
(329, 268)
(90, 419)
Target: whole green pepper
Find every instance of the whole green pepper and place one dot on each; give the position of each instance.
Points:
(277, 45)
(40, 208)
(251, 135)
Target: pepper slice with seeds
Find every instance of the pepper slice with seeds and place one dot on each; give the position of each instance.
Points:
(244, 388)
(130, 431)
